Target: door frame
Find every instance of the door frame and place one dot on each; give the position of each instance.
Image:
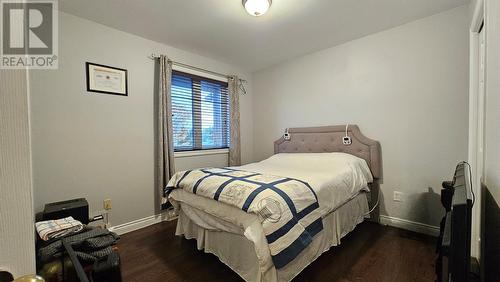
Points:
(476, 118)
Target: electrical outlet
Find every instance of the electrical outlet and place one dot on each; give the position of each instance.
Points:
(346, 140)
(107, 204)
(398, 196)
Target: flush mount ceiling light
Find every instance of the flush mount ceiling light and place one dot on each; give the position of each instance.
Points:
(257, 8)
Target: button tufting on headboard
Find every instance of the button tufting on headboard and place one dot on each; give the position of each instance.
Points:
(329, 139)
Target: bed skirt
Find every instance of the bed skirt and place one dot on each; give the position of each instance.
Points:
(237, 252)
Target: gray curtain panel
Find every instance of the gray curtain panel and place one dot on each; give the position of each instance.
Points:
(165, 143)
(235, 142)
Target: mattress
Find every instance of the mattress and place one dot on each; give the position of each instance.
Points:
(228, 242)
(336, 178)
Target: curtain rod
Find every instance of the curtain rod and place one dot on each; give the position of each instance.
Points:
(154, 57)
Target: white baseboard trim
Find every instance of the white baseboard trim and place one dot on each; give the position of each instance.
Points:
(409, 225)
(384, 220)
(139, 223)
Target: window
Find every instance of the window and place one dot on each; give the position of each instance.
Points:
(200, 113)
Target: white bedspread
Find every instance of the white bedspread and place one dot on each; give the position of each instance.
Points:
(335, 177)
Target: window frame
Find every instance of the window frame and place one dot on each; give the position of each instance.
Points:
(197, 126)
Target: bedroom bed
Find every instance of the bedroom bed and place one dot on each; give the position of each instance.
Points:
(330, 189)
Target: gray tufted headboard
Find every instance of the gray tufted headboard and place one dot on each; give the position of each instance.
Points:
(329, 139)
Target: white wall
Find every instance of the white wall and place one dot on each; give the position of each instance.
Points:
(490, 205)
(406, 87)
(492, 130)
(17, 234)
(101, 146)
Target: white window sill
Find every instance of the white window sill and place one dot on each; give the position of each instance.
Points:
(186, 154)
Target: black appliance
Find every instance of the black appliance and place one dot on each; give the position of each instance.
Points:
(76, 208)
(453, 263)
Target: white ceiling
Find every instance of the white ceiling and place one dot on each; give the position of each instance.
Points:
(221, 29)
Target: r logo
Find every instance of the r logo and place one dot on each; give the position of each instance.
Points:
(27, 28)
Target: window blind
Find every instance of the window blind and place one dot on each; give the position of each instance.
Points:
(200, 112)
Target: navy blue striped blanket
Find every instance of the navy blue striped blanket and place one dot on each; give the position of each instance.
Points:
(288, 208)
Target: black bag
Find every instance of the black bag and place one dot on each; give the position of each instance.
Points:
(107, 269)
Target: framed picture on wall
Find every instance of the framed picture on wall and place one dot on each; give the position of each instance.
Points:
(106, 79)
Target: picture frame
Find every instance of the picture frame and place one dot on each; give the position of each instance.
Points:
(106, 79)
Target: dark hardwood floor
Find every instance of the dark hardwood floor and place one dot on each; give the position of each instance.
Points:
(370, 253)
